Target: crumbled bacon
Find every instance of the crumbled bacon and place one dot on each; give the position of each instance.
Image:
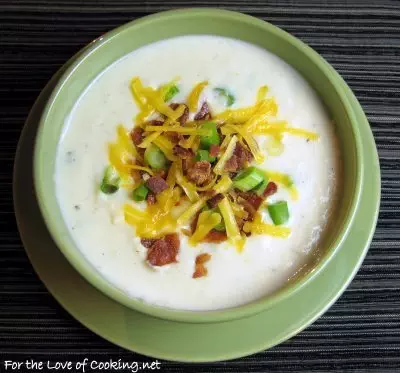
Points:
(270, 189)
(175, 137)
(213, 201)
(151, 198)
(155, 122)
(255, 200)
(156, 184)
(200, 172)
(214, 150)
(208, 193)
(200, 270)
(182, 152)
(231, 165)
(164, 250)
(244, 155)
(185, 116)
(250, 201)
(162, 174)
(136, 175)
(137, 135)
(187, 164)
(240, 157)
(215, 237)
(147, 242)
(193, 224)
(204, 112)
(240, 222)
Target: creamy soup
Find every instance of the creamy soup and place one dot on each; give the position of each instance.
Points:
(234, 276)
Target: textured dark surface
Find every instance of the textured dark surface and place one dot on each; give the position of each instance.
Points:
(361, 332)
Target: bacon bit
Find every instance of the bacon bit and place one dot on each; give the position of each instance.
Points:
(148, 242)
(243, 154)
(215, 237)
(255, 200)
(213, 201)
(231, 164)
(187, 164)
(151, 198)
(200, 269)
(164, 250)
(175, 137)
(136, 175)
(214, 150)
(250, 201)
(173, 240)
(204, 112)
(177, 203)
(240, 222)
(137, 135)
(182, 152)
(155, 122)
(162, 174)
(156, 184)
(193, 224)
(200, 173)
(271, 189)
(240, 157)
(208, 193)
(185, 116)
(248, 207)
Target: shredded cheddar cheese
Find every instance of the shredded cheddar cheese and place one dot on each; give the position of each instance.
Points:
(149, 139)
(177, 129)
(191, 211)
(180, 198)
(232, 230)
(207, 221)
(219, 167)
(194, 96)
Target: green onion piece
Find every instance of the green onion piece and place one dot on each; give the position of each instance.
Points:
(230, 98)
(248, 179)
(140, 193)
(279, 212)
(172, 91)
(204, 155)
(111, 180)
(154, 157)
(259, 189)
(212, 138)
(220, 227)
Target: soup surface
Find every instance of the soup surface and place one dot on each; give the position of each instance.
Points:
(234, 276)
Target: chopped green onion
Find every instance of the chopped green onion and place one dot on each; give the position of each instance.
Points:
(172, 91)
(212, 138)
(220, 227)
(204, 155)
(259, 189)
(248, 179)
(140, 193)
(111, 180)
(279, 212)
(154, 157)
(230, 98)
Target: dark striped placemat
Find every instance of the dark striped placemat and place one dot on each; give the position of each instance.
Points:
(361, 332)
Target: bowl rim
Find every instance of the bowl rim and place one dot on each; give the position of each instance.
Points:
(94, 277)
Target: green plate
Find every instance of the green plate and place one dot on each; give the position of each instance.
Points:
(189, 341)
